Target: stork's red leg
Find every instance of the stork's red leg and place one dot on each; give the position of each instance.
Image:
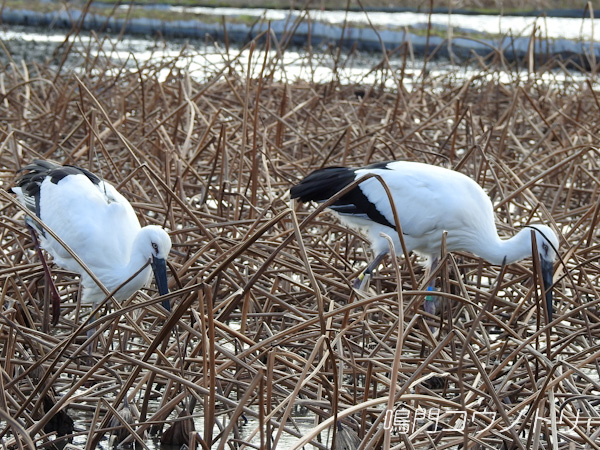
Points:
(53, 291)
(432, 302)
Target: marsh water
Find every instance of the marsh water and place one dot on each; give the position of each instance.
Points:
(203, 58)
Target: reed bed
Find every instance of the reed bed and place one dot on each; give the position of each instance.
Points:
(268, 346)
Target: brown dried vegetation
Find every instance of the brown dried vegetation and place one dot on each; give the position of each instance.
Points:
(266, 328)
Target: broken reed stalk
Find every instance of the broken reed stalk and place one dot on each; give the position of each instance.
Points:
(214, 168)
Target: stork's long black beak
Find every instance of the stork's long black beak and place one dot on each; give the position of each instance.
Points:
(159, 266)
(547, 275)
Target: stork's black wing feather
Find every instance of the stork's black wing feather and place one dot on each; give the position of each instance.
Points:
(35, 174)
(323, 184)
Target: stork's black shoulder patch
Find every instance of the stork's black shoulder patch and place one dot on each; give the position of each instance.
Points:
(61, 172)
(356, 203)
(39, 170)
(323, 184)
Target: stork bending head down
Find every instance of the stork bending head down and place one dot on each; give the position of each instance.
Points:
(99, 225)
(428, 200)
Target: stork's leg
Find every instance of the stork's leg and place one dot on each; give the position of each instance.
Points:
(93, 344)
(53, 291)
(365, 276)
(432, 302)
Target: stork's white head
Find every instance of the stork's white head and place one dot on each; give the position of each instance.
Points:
(547, 246)
(155, 244)
(547, 242)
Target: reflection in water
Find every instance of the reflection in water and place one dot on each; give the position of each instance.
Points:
(202, 60)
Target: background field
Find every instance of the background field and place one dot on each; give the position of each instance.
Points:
(483, 5)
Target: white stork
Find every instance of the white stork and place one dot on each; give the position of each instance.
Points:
(99, 225)
(428, 201)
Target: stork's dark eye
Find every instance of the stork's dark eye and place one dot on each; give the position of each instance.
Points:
(155, 247)
(545, 247)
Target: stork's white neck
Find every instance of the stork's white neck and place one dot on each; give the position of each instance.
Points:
(120, 273)
(510, 250)
(140, 255)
